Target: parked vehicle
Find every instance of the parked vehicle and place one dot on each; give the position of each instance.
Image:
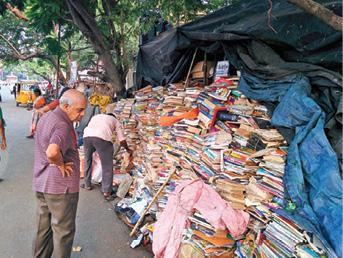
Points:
(25, 95)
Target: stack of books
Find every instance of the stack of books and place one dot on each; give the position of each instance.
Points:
(191, 95)
(281, 238)
(221, 89)
(265, 138)
(209, 241)
(232, 192)
(207, 106)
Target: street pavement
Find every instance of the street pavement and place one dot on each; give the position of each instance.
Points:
(99, 232)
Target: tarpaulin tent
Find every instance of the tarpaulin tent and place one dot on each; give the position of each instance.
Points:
(291, 59)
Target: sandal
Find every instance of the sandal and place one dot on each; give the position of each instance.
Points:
(86, 187)
(109, 197)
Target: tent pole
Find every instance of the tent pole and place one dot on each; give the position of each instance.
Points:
(205, 69)
(190, 68)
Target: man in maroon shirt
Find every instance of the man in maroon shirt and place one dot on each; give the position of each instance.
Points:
(56, 176)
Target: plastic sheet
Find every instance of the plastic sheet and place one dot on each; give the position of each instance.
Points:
(312, 177)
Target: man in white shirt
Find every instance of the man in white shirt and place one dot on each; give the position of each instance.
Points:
(98, 136)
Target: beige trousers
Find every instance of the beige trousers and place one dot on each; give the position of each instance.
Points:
(124, 181)
(56, 215)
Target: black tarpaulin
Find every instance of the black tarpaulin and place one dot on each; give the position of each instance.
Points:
(294, 41)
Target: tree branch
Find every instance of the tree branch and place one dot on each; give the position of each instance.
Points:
(80, 49)
(44, 76)
(321, 12)
(16, 12)
(15, 50)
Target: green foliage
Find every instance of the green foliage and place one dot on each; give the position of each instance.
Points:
(44, 15)
(51, 44)
(85, 57)
(120, 22)
(35, 68)
(178, 12)
(22, 37)
(39, 34)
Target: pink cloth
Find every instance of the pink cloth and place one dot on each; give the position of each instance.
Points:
(186, 197)
(104, 127)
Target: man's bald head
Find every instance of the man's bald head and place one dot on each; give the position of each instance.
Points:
(72, 96)
(73, 103)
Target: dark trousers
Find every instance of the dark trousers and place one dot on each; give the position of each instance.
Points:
(105, 151)
(56, 215)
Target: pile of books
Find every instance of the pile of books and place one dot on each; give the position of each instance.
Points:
(233, 147)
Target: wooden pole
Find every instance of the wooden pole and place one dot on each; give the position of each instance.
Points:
(205, 69)
(151, 203)
(190, 68)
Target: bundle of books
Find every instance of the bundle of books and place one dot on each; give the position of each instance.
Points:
(232, 192)
(221, 88)
(209, 241)
(126, 111)
(235, 161)
(265, 138)
(191, 95)
(281, 238)
(163, 174)
(207, 106)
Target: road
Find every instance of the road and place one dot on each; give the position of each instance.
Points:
(99, 232)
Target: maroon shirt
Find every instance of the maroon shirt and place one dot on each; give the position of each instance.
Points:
(55, 128)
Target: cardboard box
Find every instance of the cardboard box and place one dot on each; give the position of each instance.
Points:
(198, 70)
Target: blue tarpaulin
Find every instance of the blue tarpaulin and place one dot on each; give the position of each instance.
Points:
(312, 178)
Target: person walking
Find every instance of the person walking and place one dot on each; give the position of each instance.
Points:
(98, 136)
(3, 144)
(14, 91)
(56, 177)
(37, 104)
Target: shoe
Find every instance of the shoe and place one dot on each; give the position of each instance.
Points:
(86, 187)
(29, 136)
(109, 197)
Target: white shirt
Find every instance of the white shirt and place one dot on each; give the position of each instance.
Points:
(104, 126)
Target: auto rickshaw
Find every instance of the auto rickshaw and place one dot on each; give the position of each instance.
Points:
(25, 95)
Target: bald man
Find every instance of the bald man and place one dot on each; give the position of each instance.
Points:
(56, 176)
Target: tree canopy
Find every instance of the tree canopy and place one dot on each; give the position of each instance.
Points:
(91, 32)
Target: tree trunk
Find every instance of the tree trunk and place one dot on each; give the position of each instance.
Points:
(69, 60)
(53, 61)
(320, 12)
(87, 25)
